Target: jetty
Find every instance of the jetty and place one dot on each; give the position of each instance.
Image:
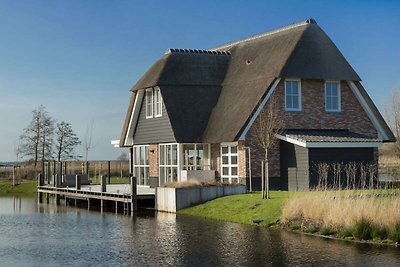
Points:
(123, 196)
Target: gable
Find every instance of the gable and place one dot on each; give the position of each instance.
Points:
(152, 130)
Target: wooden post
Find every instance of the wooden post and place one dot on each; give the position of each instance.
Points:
(40, 183)
(54, 173)
(133, 194)
(40, 179)
(101, 205)
(57, 199)
(78, 182)
(88, 203)
(13, 175)
(61, 173)
(109, 172)
(116, 207)
(87, 168)
(104, 183)
(48, 173)
(47, 198)
(131, 160)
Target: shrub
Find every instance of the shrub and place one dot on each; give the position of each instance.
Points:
(394, 233)
(326, 230)
(362, 229)
(346, 232)
(379, 232)
(295, 226)
(310, 229)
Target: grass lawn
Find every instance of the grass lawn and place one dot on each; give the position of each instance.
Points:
(24, 188)
(241, 208)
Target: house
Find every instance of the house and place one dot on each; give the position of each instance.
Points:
(192, 114)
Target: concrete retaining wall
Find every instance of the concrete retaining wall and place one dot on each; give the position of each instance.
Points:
(174, 199)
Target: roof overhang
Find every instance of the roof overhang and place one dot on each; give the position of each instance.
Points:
(329, 144)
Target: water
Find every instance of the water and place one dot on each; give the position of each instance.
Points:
(49, 235)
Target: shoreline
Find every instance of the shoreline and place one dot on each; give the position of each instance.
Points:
(248, 207)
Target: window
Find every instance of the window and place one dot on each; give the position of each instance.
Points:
(229, 163)
(149, 103)
(141, 164)
(168, 163)
(153, 103)
(332, 96)
(292, 95)
(196, 156)
(157, 102)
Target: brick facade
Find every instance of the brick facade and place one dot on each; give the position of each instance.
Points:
(312, 116)
(153, 160)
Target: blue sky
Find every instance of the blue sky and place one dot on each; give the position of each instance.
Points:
(80, 58)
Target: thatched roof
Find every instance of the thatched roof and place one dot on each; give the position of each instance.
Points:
(211, 94)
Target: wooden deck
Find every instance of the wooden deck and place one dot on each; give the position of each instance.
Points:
(114, 192)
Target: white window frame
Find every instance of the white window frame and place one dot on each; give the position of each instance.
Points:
(229, 165)
(166, 164)
(158, 102)
(194, 166)
(293, 109)
(149, 104)
(138, 165)
(339, 98)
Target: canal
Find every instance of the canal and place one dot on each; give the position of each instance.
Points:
(50, 235)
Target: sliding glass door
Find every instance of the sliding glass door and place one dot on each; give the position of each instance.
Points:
(168, 163)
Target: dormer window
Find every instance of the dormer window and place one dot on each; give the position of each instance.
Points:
(149, 103)
(332, 96)
(292, 95)
(153, 103)
(157, 102)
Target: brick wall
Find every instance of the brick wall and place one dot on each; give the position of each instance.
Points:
(153, 160)
(216, 159)
(312, 116)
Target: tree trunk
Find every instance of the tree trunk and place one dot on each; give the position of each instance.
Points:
(266, 177)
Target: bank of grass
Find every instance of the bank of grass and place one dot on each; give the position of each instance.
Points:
(22, 188)
(242, 208)
(372, 215)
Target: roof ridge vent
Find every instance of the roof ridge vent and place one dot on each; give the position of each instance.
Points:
(197, 51)
(311, 21)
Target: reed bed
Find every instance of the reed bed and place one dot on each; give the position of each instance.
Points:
(358, 214)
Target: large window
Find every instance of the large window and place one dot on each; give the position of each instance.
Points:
(168, 163)
(141, 164)
(292, 95)
(196, 156)
(332, 96)
(229, 163)
(153, 103)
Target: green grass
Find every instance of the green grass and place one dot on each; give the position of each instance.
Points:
(24, 188)
(241, 208)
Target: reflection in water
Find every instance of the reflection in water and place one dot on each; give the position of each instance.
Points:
(33, 234)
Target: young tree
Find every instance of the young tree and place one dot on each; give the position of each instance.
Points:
(268, 124)
(88, 140)
(392, 114)
(36, 139)
(66, 141)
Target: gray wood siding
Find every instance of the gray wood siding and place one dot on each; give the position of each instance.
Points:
(340, 155)
(294, 166)
(153, 130)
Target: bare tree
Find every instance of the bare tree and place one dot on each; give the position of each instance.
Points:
(36, 139)
(66, 141)
(268, 124)
(88, 142)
